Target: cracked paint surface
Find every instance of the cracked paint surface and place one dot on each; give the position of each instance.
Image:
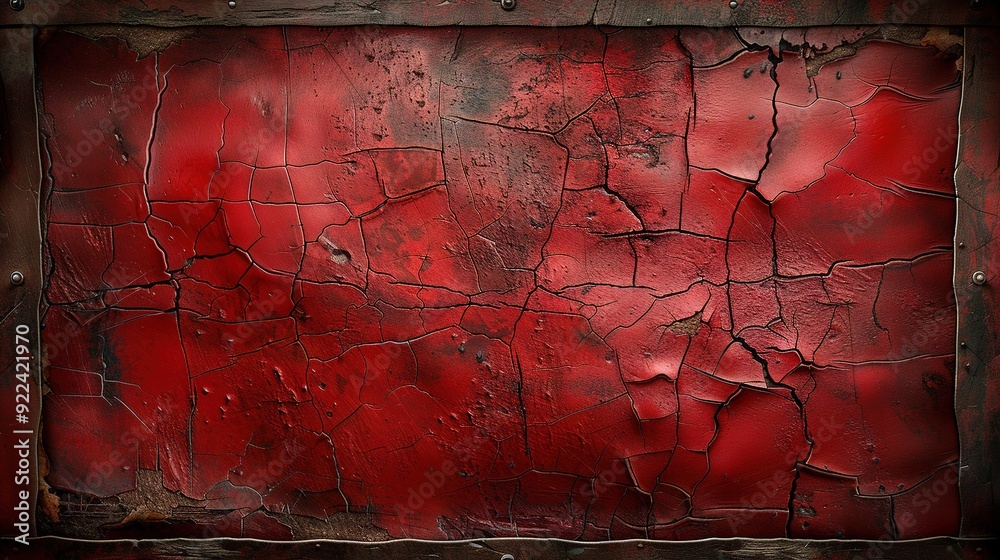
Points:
(456, 282)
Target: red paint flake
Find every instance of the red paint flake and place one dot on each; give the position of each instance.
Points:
(499, 281)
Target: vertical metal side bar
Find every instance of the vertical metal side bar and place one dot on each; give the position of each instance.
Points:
(977, 285)
(20, 284)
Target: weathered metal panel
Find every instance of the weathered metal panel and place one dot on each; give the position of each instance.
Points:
(977, 178)
(20, 285)
(517, 549)
(546, 13)
(506, 281)
(976, 394)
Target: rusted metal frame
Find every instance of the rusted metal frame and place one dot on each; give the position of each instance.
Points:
(977, 180)
(708, 13)
(977, 285)
(20, 283)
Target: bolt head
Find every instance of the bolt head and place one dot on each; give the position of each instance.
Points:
(979, 277)
(16, 278)
(508, 4)
(232, 4)
(734, 4)
(17, 5)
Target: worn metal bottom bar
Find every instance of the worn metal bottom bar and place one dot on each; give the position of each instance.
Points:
(44, 548)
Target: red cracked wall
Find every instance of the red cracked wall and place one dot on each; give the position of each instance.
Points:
(495, 281)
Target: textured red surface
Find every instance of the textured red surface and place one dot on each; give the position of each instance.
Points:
(485, 281)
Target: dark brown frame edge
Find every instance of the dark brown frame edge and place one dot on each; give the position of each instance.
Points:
(52, 548)
(709, 13)
(20, 252)
(977, 181)
(977, 372)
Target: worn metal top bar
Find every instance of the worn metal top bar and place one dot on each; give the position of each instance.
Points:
(713, 13)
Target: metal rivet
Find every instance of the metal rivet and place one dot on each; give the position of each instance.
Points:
(977, 4)
(962, 344)
(508, 4)
(507, 557)
(16, 278)
(649, 21)
(839, 75)
(232, 4)
(734, 4)
(979, 277)
(17, 5)
(968, 365)
(750, 117)
(961, 245)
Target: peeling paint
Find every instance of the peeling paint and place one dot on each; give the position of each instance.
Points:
(462, 282)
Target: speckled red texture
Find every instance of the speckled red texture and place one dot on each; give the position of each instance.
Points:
(574, 283)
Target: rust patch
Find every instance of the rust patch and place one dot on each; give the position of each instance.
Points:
(142, 40)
